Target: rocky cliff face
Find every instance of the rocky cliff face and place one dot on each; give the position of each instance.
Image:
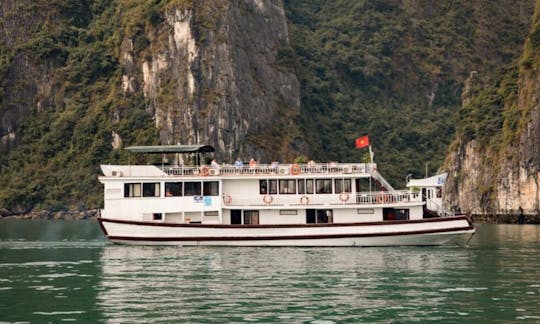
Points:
(212, 75)
(501, 178)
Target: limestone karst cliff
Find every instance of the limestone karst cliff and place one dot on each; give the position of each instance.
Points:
(497, 170)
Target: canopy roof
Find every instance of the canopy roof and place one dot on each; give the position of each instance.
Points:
(171, 149)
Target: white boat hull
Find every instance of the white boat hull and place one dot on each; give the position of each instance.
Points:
(434, 231)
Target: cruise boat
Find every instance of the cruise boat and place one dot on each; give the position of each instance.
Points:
(278, 204)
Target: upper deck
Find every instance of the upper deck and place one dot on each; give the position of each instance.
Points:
(228, 171)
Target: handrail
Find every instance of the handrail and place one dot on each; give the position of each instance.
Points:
(363, 198)
(269, 169)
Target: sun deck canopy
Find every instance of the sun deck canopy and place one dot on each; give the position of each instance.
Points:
(171, 149)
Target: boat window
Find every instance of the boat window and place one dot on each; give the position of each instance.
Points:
(211, 188)
(287, 186)
(236, 216)
(324, 186)
(251, 217)
(263, 187)
(301, 186)
(343, 185)
(402, 214)
(151, 189)
(132, 189)
(173, 189)
(272, 184)
(192, 188)
(316, 216)
(157, 216)
(309, 186)
(439, 192)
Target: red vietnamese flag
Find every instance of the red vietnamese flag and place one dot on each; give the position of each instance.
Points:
(362, 142)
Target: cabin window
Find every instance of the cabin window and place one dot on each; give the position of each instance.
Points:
(272, 187)
(251, 217)
(309, 186)
(173, 189)
(319, 216)
(211, 188)
(263, 187)
(439, 192)
(236, 216)
(287, 186)
(301, 186)
(402, 214)
(132, 189)
(157, 216)
(151, 189)
(324, 186)
(343, 185)
(192, 188)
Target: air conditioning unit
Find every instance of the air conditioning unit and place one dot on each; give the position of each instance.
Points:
(283, 170)
(116, 173)
(213, 172)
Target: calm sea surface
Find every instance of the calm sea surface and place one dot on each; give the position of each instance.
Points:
(64, 271)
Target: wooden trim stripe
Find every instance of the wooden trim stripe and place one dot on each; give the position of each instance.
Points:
(426, 220)
(291, 237)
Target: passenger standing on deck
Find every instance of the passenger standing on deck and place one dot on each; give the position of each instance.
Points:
(238, 164)
(252, 164)
(214, 164)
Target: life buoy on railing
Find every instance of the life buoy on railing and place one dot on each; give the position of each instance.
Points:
(227, 200)
(295, 169)
(344, 197)
(304, 200)
(204, 170)
(268, 199)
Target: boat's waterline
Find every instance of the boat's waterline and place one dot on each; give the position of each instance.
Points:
(422, 232)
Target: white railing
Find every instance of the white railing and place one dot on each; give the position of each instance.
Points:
(322, 199)
(268, 169)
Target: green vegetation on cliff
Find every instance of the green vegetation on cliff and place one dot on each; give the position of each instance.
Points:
(391, 69)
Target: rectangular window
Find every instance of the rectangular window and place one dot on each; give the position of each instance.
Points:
(309, 186)
(287, 186)
(192, 188)
(272, 184)
(251, 217)
(263, 187)
(173, 189)
(319, 216)
(288, 212)
(151, 189)
(157, 216)
(343, 185)
(211, 188)
(132, 189)
(324, 186)
(301, 186)
(402, 214)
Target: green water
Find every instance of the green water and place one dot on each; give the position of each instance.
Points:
(56, 271)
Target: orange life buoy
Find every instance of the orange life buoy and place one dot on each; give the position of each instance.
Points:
(344, 197)
(304, 200)
(227, 199)
(295, 169)
(268, 199)
(204, 170)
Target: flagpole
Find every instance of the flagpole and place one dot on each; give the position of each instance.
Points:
(371, 154)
